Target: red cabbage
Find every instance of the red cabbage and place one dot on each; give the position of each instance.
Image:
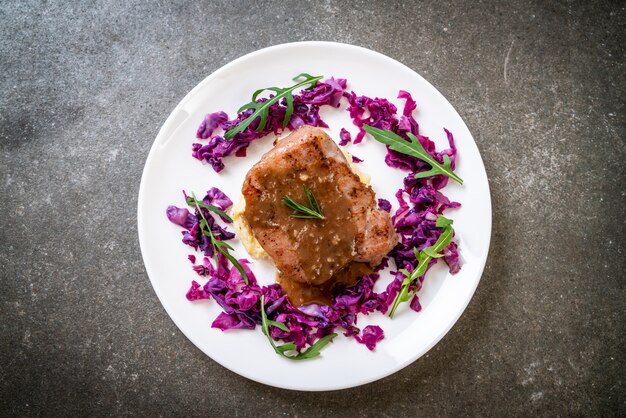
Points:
(192, 235)
(380, 113)
(416, 223)
(306, 112)
(370, 336)
(328, 92)
(383, 204)
(180, 216)
(451, 257)
(344, 137)
(415, 304)
(420, 201)
(240, 302)
(217, 198)
(211, 122)
(226, 321)
(197, 292)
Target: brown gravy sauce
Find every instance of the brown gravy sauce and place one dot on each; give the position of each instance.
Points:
(325, 248)
(304, 293)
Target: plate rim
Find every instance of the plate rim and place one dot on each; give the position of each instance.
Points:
(161, 137)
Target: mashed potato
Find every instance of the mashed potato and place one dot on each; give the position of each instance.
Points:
(243, 230)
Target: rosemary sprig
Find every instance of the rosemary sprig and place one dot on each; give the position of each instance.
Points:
(311, 352)
(415, 149)
(262, 109)
(423, 257)
(218, 245)
(312, 211)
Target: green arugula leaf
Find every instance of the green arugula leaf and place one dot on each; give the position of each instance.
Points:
(424, 257)
(262, 109)
(286, 347)
(234, 262)
(314, 350)
(218, 245)
(415, 149)
(191, 202)
(278, 325)
(443, 221)
(223, 244)
(429, 252)
(311, 352)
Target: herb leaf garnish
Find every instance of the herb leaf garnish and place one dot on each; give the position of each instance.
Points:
(312, 211)
(423, 257)
(191, 201)
(218, 245)
(415, 149)
(262, 109)
(311, 352)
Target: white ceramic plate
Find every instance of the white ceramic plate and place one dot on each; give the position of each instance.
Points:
(170, 169)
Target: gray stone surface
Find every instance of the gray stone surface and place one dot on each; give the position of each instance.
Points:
(84, 89)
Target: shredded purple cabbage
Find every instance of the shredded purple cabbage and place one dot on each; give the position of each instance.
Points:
(240, 301)
(379, 113)
(210, 123)
(218, 199)
(384, 204)
(344, 137)
(306, 106)
(419, 203)
(414, 220)
(180, 216)
(192, 235)
(370, 336)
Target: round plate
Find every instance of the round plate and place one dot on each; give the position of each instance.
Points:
(170, 168)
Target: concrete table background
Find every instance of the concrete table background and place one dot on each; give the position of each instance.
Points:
(84, 89)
